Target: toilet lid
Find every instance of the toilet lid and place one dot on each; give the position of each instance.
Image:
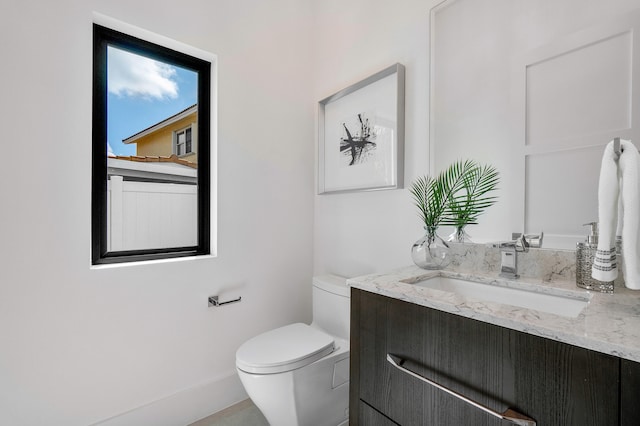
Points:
(283, 349)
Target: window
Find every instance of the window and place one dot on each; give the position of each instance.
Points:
(183, 142)
(151, 148)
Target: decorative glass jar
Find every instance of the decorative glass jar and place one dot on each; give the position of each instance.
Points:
(459, 235)
(430, 251)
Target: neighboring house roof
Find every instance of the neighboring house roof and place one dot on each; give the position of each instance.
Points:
(156, 169)
(166, 122)
(157, 159)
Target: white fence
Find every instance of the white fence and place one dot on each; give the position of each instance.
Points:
(148, 215)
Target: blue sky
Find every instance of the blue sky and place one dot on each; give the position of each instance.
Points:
(142, 92)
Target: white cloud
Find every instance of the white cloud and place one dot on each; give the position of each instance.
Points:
(110, 152)
(134, 75)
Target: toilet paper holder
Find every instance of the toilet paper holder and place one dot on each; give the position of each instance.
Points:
(214, 301)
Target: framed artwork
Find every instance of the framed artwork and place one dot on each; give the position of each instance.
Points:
(361, 135)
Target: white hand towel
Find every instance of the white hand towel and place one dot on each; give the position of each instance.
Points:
(605, 266)
(619, 214)
(629, 164)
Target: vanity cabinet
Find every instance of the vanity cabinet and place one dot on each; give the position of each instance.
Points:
(554, 383)
(629, 393)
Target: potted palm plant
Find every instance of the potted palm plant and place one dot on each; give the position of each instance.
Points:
(471, 200)
(457, 196)
(431, 196)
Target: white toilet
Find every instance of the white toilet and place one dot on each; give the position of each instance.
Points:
(298, 375)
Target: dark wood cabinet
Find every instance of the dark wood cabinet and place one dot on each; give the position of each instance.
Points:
(370, 416)
(554, 383)
(629, 393)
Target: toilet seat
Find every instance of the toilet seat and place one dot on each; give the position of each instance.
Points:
(284, 349)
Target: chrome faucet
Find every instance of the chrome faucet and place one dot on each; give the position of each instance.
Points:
(509, 250)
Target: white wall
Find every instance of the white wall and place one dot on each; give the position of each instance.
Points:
(79, 345)
(363, 232)
(509, 86)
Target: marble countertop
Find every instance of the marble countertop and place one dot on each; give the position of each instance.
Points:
(610, 323)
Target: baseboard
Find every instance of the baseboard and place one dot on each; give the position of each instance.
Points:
(184, 407)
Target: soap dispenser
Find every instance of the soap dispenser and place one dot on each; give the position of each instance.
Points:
(585, 255)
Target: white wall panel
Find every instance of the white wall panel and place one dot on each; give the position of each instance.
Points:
(580, 92)
(567, 173)
(578, 95)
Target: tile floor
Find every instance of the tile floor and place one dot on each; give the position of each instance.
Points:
(241, 414)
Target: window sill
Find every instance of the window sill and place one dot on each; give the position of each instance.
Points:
(151, 262)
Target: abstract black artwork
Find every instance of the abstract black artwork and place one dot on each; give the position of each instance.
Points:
(358, 143)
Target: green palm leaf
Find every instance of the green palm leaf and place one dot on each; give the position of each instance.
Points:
(457, 196)
(432, 195)
(474, 197)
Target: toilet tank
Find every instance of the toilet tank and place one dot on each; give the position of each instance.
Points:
(331, 305)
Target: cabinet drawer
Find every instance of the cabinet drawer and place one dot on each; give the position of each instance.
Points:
(463, 357)
(551, 382)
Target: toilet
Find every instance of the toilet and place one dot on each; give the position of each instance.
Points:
(298, 375)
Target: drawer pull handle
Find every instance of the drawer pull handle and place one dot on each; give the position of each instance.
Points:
(509, 415)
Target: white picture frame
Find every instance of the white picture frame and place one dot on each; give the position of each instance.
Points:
(361, 135)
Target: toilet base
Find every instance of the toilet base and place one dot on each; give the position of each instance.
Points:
(314, 395)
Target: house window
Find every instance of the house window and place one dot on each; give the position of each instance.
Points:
(148, 204)
(183, 142)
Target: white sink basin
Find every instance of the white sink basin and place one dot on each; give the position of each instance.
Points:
(564, 303)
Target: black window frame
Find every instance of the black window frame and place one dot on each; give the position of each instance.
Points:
(102, 38)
